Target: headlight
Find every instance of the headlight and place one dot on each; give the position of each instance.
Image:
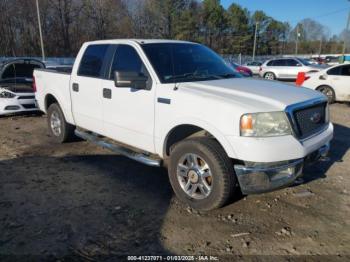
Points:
(265, 124)
(5, 94)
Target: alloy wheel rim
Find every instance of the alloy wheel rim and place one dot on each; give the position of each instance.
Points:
(194, 176)
(269, 76)
(55, 123)
(327, 92)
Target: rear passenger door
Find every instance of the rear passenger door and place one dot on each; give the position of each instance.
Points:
(340, 81)
(129, 112)
(276, 66)
(86, 88)
(291, 68)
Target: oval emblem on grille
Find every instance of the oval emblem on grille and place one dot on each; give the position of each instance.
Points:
(315, 118)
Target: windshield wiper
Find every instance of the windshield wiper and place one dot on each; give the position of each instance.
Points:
(185, 76)
(228, 75)
(193, 76)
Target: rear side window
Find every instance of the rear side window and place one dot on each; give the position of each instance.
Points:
(126, 59)
(345, 70)
(271, 63)
(334, 71)
(291, 62)
(279, 62)
(92, 61)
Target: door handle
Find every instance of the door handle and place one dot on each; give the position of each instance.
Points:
(75, 87)
(107, 93)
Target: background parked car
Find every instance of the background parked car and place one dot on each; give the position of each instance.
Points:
(332, 60)
(334, 82)
(244, 71)
(254, 66)
(286, 68)
(16, 80)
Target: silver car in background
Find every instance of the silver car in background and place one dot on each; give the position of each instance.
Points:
(286, 68)
(254, 66)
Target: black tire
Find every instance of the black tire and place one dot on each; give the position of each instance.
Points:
(269, 76)
(66, 132)
(328, 92)
(223, 178)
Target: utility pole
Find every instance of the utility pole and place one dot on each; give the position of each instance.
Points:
(255, 36)
(40, 32)
(346, 34)
(320, 49)
(297, 41)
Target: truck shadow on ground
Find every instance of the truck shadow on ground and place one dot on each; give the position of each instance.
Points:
(90, 207)
(339, 146)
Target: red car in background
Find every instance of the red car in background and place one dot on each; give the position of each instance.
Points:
(244, 71)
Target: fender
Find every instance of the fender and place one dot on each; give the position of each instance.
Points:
(161, 144)
(66, 111)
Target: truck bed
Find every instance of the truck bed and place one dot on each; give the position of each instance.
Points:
(57, 83)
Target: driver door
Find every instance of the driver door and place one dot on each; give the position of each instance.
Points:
(128, 113)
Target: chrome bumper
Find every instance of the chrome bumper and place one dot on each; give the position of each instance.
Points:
(263, 177)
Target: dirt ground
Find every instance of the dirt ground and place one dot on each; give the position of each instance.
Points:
(81, 201)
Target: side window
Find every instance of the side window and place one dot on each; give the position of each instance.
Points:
(280, 62)
(345, 70)
(127, 59)
(271, 63)
(291, 62)
(334, 71)
(92, 61)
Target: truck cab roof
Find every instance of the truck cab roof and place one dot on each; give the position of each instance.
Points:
(139, 41)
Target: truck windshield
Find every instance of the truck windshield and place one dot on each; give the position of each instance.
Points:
(186, 62)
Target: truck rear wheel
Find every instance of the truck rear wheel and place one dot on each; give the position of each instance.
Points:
(201, 173)
(58, 126)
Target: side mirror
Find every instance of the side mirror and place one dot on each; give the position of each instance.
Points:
(130, 79)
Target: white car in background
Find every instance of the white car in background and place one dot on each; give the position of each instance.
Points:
(286, 68)
(332, 60)
(16, 80)
(334, 82)
(254, 66)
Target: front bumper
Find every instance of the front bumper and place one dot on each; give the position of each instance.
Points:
(17, 105)
(263, 177)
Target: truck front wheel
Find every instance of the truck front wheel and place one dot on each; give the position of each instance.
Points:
(201, 173)
(58, 126)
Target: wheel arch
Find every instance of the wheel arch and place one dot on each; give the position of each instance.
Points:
(185, 130)
(51, 98)
(271, 72)
(326, 85)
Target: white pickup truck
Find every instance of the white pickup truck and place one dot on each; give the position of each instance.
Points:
(178, 104)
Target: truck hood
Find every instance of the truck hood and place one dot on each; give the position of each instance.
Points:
(255, 95)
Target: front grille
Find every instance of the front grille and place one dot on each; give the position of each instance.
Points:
(310, 120)
(26, 97)
(29, 106)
